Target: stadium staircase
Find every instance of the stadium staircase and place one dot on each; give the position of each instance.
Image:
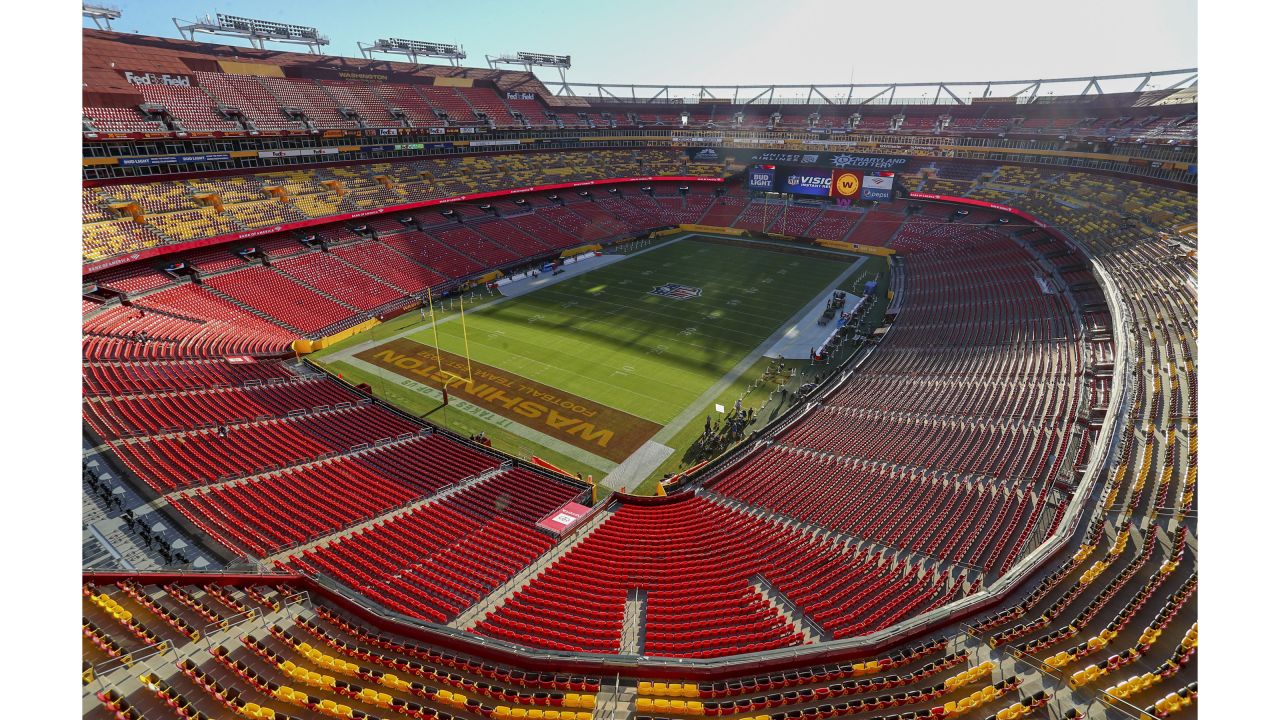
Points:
(800, 622)
(426, 99)
(467, 101)
(496, 599)
(634, 618)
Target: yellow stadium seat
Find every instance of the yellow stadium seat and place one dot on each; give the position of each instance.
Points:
(644, 705)
(645, 687)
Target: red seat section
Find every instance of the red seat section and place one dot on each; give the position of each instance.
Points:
(697, 562)
(335, 278)
(439, 559)
(169, 462)
(276, 295)
(183, 322)
(263, 515)
(390, 267)
(113, 418)
(130, 378)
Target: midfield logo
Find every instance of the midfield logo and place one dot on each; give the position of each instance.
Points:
(676, 292)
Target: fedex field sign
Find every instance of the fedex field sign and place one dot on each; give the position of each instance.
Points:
(149, 78)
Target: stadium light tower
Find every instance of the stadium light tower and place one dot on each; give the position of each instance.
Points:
(100, 15)
(529, 60)
(413, 49)
(257, 32)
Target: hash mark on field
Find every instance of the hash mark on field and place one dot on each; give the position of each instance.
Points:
(751, 290)
(733, 302)
(767, 281)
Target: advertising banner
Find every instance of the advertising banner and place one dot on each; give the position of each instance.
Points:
(134, 77)
(810, 158)
(804, 181)
(174, 159)
(761, 178)
(877, 185)
(845, 184)
(705, 155)
(297, 152)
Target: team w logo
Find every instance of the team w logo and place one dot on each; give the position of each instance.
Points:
(676, 292)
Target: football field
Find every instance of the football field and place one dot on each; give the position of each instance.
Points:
(589, 370)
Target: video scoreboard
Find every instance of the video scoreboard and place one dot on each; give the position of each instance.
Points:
(839, 183)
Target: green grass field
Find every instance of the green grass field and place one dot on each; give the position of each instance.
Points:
(604, 337)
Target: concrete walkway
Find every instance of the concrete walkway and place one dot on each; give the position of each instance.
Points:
(637, 466)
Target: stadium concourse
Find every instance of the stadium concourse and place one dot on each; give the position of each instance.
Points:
(987, 510)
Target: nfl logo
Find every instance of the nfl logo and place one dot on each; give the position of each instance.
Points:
(676, 292)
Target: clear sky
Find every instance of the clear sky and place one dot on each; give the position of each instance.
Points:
(751, 41)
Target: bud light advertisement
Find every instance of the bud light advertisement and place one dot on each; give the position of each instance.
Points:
(760, 178)
(805, 181)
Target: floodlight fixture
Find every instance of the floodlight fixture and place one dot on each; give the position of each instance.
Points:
(257, 32)
(101, 15)
(413, 49)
